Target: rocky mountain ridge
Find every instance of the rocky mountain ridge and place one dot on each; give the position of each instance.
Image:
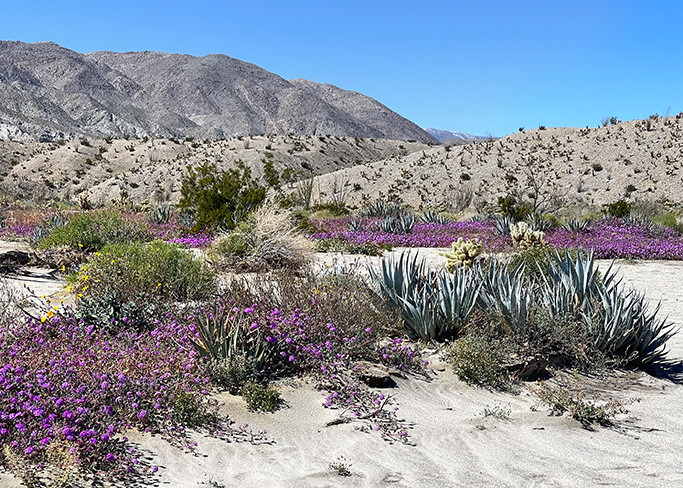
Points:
(48, 92)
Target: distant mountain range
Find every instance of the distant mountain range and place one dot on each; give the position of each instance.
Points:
(448, 137)
(48, 92)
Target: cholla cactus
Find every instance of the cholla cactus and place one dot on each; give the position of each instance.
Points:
(462, 253)
(524, 237)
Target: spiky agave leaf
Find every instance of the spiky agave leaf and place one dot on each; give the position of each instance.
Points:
(624, 328)
(569, 285)
(507, 294)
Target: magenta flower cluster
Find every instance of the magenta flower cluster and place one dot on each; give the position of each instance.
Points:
(614, 238)
(61, 381)
(609, 238)
(422, 235)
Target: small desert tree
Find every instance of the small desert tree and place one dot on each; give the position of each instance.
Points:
(220, 198)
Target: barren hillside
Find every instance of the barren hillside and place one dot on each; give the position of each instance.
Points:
(152, 169)
(637, 159)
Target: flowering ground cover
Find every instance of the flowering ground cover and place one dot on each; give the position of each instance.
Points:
(609, 238)
(613, 238)
(70, 390)
(422, 235)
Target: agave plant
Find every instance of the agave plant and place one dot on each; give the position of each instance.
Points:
(432, 217)
(507, 294)
(569, 286)
(47, 225)
(397, 225)
(406, 223)
(355, 225)
(381, 209)
(502, 225)
(624, 329)
(458, 296)
(225, 335)
(161, 214)
(576, 225)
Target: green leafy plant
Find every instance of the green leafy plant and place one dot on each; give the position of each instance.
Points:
(130, 280)
(91, 231)
(476, 362)
(220, 198)
(261, 398)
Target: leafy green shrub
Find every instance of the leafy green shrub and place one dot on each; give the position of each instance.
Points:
(220, 198)
(92, 231)
(132, 278)
(509, 206)
(265, 240)
(620, 208)
(261, 398)
(366, 248)
(476, 362)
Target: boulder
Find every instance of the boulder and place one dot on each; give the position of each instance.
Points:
(374, 375)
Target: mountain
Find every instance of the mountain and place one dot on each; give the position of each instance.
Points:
(448, 137)
(48, 92)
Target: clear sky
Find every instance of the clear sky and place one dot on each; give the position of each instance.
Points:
(482, 66)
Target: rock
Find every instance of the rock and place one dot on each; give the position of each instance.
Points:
(372, 374)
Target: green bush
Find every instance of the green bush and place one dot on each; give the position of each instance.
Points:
(508, 206)
(126, 278)
(346, 247)
(220, 198)
(261, 398)
(92, 231)
(620, 208)
(478, 362)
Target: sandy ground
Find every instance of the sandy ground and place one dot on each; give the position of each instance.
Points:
(455, 445)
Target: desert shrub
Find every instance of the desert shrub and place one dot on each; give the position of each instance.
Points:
(347, 247)
(618, 209)
(234, 372)
(476, 362)
(568, 399)
(261, 398)
(265, 240)
(220, 198)
(509, 206)
(330, 209)
(667, 219)
(129, 280)
(91, 231)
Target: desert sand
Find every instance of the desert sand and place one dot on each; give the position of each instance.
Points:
(454, 443)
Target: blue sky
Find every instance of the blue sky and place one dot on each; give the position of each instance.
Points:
(483, 67)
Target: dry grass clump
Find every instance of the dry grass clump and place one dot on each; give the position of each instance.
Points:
(264, 241)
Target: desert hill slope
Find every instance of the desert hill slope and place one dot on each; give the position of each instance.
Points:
(48, 92)
(640, 160)
(152, 169)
